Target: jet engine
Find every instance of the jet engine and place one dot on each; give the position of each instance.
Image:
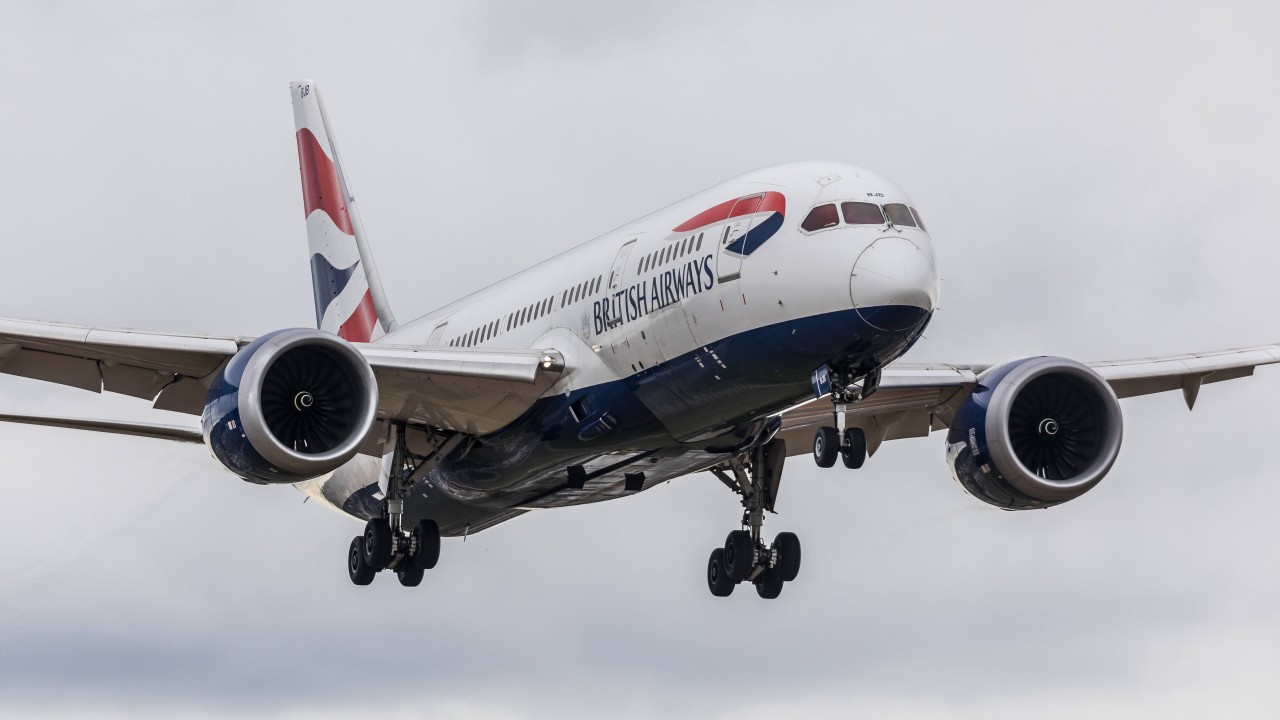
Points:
(292, 405)
(1034, 433)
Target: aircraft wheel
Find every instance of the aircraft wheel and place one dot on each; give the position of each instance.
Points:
(788, 547)
(357, 568)
(377, 543)
(426, 538)
(826, 446)
(409, 574)
(769, 585)
(739, 555)
(717, 579)
(854, 450)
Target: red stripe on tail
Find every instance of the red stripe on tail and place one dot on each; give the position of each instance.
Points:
(359, 327)
(320, 187)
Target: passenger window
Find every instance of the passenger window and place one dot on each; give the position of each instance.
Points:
(821, 218)
(699, 241)
(861, 213)
(916, 214)
(900, 215)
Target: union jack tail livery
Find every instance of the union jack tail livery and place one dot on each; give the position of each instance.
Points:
(348, 292)
(752, 322)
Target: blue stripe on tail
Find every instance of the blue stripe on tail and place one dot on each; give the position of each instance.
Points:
(327, 283)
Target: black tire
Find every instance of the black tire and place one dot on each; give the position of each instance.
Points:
(426, 539)
(788, 547)
(409, 574)
(826, 446)
(854, 450)
(769, 585)
(739, 555)
(717, 579)
(377, 543)
(357, 568)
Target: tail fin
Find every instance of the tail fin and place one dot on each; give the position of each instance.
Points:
(348, 292)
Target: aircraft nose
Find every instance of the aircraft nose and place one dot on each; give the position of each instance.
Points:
(892, 281)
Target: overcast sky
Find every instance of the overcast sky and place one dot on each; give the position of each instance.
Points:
(1100, 180)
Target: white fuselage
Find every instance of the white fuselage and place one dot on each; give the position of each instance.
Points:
(674, 284)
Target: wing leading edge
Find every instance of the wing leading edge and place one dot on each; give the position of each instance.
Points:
(914, 400)
(469, 390)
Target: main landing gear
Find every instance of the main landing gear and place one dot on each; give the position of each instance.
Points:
(410, 555)
(849, 444)
(385, 544)
(745, 557)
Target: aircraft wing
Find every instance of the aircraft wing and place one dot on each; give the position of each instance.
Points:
(913, 400)
(470, 390)
(180, 433)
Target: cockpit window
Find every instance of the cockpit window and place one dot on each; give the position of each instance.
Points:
(916, 214)
(861, 213)
(900, 215)
(820, 218)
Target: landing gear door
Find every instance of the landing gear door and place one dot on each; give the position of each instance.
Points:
(729, 258)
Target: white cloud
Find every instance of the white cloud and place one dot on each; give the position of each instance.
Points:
(1098, 180)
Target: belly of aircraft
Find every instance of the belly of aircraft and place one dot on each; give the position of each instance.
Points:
(626, 436)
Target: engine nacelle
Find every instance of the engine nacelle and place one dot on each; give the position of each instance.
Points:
(1035, 433)
(292, 405)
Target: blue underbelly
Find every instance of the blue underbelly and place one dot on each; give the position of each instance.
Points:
(687, 409)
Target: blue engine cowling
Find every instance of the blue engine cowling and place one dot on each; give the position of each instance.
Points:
(292, 405)
(1034, 433)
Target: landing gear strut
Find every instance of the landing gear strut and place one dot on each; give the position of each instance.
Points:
(385, 543)
(850, 444)
(745, 557)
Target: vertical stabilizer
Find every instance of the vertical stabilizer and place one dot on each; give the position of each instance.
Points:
(348, 292)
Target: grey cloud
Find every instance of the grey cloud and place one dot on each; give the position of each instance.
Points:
(1099, 181)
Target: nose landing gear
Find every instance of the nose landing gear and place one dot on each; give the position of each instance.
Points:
(745, 557)
(850, 444)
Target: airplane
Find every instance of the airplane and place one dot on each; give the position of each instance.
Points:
(757, 320)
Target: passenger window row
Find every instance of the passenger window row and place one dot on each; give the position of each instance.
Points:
(533, 311)
(828, 216)
(669, 253)
(580, 291)
(479, 335)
